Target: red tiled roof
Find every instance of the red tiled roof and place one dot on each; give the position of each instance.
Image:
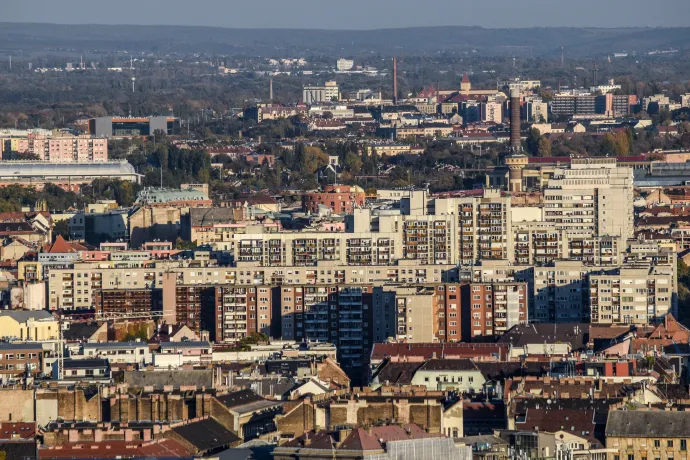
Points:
(359, 439)
(17, 430)
(61, 246)
(167, 448)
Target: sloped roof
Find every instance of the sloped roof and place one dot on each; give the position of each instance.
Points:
(239, 398)
(206, 435)
(61, 246)
(22, 316)
(211, 216)
(397, 373)
(648, 424)
(449, 365)
(359, 439)
(176, 378)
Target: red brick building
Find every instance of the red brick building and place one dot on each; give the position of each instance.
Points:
(341, 199)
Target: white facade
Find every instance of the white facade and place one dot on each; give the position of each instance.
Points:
(344, 64)
(316, 94)
(592, 197)
(117, 352)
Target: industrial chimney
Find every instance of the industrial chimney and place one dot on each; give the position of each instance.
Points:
(516, 161)
(395, 81)
(515, 144)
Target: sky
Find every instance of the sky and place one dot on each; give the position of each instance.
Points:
(353, 14)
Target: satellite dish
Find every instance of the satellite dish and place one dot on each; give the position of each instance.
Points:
(548, 401)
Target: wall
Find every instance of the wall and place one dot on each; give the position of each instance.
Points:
(16, 405)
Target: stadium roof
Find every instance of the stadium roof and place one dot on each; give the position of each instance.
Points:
(16, 169)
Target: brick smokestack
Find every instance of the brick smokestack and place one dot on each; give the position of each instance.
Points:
(395, 81)
(515, 144)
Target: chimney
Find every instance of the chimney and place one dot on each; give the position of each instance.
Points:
(395, 81)
(515, 143)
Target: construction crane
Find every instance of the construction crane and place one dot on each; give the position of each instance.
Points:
(97, 317)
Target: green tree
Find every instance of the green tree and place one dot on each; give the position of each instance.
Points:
(544, 147)
(533, 137)
(61, 228)
(353, 163)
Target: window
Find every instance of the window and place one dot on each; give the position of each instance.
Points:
(683, 444)
(631, 457)
(657, 443)
(669, 443)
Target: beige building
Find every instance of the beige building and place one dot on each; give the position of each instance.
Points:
(28, 325)
(632, 295)
(564, 291)
(75, 287)
(640, 435)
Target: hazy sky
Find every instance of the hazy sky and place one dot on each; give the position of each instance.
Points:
(354, 14)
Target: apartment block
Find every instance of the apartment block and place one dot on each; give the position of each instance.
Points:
(490, 309)
(596, 250)
(71, 288)
(632, 295)
(594, 197)
(237, 312)
(537, 243)
(126, 301)
(562, 292)
(484, 225)
(417, 313)
(58, 147)
(339, 314)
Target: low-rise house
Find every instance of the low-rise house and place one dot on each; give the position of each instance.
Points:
(28, 325)
(94, 370)
(176, 354)
(20, 360)
(246, 413)
(86, 332)
(460, 375)
(118, 352)
(648, 434)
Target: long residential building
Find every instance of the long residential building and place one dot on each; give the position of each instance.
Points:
(569, 291)
(57, 147)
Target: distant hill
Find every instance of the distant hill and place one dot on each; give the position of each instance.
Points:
(547, 42)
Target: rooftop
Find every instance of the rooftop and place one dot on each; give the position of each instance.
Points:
(18, 169)
(207, 435)
(646, 424)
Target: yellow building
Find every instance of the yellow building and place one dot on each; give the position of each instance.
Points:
(29, 271)
(28, 325)
(648, 435)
